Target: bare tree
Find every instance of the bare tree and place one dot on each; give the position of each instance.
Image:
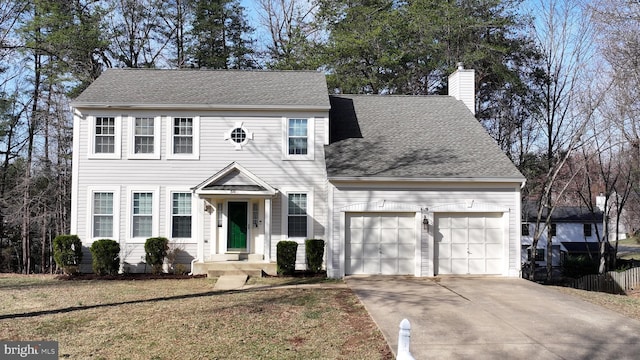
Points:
(563, 34)
(291, 32)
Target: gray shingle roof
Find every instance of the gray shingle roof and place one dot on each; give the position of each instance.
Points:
(411, 137)
(206, 88)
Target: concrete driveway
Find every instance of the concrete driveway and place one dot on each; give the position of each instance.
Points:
(494, 318)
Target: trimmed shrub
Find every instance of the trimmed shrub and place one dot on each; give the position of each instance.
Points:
(155, 251)
(314, 251)
(67, 252)
(105, 257)
(286, 257)
(580, 265)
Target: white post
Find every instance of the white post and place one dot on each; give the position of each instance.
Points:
(404, 340)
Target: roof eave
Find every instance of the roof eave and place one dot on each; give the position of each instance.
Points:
(517, 180)
(236, 192)
(97, 105)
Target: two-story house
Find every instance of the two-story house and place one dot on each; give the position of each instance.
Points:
(575, 230)
(227, 163)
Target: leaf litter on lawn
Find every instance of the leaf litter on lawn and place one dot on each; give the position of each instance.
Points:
(177, 318)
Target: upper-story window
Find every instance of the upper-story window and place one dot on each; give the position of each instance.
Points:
(105, 135)
(104, 140)
(184, 138)
(299, 137)
(586, 229)
(144, 133)
(525, 229)
(183, 135)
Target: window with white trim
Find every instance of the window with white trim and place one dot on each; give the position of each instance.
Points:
(102, 211)
(142, 214)
(181, 215)
(183, 135)
(144, 137)
(298, 139)
(183, 139)
(105, 132)
(104, 137)
(297, 215)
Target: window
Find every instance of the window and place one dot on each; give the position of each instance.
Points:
(297, 215)
(104, 137)
(525, 229)
(183, 135)
(539, 254)
(553, 229)
(586, 230)
(238, 135)
(143, 142)
(102, 215)
(142, 221)
(219, 208)
(183, 140)
(298, 137)
(181, 215)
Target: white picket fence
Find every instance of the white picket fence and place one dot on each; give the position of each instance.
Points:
(612, 282)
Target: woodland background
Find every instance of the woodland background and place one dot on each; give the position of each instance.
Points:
(558, 84)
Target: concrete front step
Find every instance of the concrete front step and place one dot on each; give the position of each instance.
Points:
(219, 268)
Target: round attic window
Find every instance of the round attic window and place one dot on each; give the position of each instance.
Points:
(238, 135)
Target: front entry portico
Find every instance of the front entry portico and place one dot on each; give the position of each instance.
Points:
(236, 218)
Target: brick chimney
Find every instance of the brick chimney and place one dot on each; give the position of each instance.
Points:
(462, 86)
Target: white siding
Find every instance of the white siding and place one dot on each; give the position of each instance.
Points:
(425, 196)
(262, 156)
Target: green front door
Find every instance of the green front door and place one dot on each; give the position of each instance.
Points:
(237, 239)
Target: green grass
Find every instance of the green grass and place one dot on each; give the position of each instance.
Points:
(629, 241)
(173, 319)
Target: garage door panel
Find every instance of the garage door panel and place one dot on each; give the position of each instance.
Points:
(476, 236)
(476, 266)
(459, 222)
(406, 236)
(388, 251)
(494, 236)
(380, 243)
(356, 222)
(494, 250)
(459, 266)
(370, 222)
(356, 236)
(388, 222)
(494, 222)
(406, 251)
(476, 222)
(494, 266)
(476, 251)
(354, 250)
(388, 235)
(459, 235)
(473, 244)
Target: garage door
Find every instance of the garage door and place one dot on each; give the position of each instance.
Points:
(380, 243)
(469, 243)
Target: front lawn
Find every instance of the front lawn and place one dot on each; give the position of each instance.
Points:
(186, 319)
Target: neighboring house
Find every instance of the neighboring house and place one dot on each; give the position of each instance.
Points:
(574, 229)
(228, 163)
